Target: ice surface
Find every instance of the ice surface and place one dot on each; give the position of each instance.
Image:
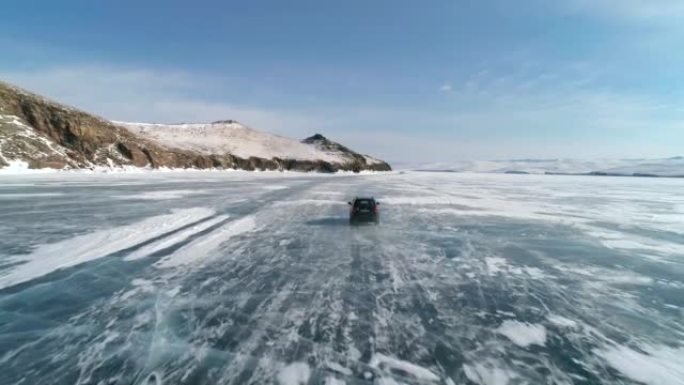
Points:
(482, 374)
(334, 381)
(662, 167)
(523, 334)
(334, 366)
(83, 248)
(495, 265)
(469, 278)
(392, 365)
(296, 373)
(27, 196)
(561, 321)
(203, 247)
(174, 239)
(157, 195)
(655, 365)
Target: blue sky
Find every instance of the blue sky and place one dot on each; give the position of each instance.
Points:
(406, 80)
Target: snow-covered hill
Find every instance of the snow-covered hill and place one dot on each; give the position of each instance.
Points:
(666, 167)
(39, 133)
(231, 137)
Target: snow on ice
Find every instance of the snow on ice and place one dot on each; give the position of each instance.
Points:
(490, 279)
(83, 248)
(523, 334)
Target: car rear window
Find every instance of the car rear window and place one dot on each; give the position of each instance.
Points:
(363, 203)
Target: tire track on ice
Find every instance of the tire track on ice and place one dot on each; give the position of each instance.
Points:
(302, 326)
(71, 252)
(243, 314)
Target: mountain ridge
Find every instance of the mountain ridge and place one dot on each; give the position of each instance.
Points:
(48, 134)
(659, 167)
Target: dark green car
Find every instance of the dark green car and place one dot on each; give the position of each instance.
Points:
(364, 210)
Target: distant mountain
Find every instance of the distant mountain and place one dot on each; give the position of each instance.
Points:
(41, 133)
(231, 137)
(665, 167)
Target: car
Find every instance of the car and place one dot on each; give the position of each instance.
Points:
(364, 210)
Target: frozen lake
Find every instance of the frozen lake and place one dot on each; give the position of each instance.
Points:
(232, 278)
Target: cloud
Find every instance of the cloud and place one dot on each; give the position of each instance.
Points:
(492, 114)
(149, 96)
(445, 87)
(567, 100)
(632, 10)
(144, 95)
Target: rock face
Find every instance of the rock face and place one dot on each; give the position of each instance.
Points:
(44, 133)
(358, 161)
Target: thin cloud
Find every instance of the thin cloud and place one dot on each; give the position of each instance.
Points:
(144, 95)
(632, 10)
(539, 114)
(446, 87)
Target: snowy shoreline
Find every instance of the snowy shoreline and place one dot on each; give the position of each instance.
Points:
(19, 167)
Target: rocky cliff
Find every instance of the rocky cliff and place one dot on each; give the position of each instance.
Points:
(44, 133)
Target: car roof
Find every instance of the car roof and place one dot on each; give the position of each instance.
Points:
(364, 198)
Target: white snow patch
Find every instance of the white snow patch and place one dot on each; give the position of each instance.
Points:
(487, 374)
(309, 202)
(561, 321)
(593, 274)
(296, 373)
(387, 381)
(523, 334)
(16, 166)
(83, 248)
(656, 365)
(395, 366)
(203, 247)
(30, 195)
(495, 265)
(371, 160)
(551, 199)
(173, 239)
(285, 242)
(274, 187)
(161, 195)
(334, 366)
(534, 272)
(330, 380)
(397, 280)
(626, 241)
(139, 286)
(422, 200)
(142, 283)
